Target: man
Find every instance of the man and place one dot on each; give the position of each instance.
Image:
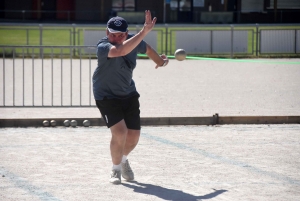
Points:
(114, 90)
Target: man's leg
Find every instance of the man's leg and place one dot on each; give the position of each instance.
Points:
(132, 140)
(117, 143)
(123, 141)
(119, 132)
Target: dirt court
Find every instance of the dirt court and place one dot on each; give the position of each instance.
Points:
(183, 163)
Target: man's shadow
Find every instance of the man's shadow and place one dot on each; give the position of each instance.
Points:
(168, 194)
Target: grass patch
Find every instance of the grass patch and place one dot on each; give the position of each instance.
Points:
(31, 36)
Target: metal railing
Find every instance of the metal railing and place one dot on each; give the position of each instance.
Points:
(60, 76)
(221, 40)
(29, 80)
(280, 41)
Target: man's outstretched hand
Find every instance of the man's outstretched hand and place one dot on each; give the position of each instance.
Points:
(149, 22)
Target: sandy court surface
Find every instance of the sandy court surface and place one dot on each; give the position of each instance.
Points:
(231, 162)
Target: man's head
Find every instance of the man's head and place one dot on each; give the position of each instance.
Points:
(117, 30)
(117, 24)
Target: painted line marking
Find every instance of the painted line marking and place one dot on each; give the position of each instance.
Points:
(21, 183)
(223, 159)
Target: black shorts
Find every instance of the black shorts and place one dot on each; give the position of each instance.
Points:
(114, 110)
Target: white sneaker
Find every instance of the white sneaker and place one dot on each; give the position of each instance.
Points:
(127, 172)
(115, 177)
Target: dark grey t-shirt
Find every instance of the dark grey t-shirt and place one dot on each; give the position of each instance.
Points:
(113, 76)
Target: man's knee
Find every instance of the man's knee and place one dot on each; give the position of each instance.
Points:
(133, 136)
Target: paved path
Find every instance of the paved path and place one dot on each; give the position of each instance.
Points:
(183, 163)
(194, 88)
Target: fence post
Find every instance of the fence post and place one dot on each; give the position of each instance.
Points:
(74, 39)
(3, 55)
(256, 40)
(41, 39)
(231, 54)
(14, 76)
(27, 40)
(167, 39)
(295, 41)
(211, 42)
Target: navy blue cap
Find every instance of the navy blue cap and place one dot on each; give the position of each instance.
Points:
(117, 24)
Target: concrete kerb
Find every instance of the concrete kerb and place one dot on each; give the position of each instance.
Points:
(161, 121)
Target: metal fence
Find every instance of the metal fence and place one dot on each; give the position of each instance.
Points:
(280, 41)
(220, 42)
(60, 75)
(28, 80)
(215, 40)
